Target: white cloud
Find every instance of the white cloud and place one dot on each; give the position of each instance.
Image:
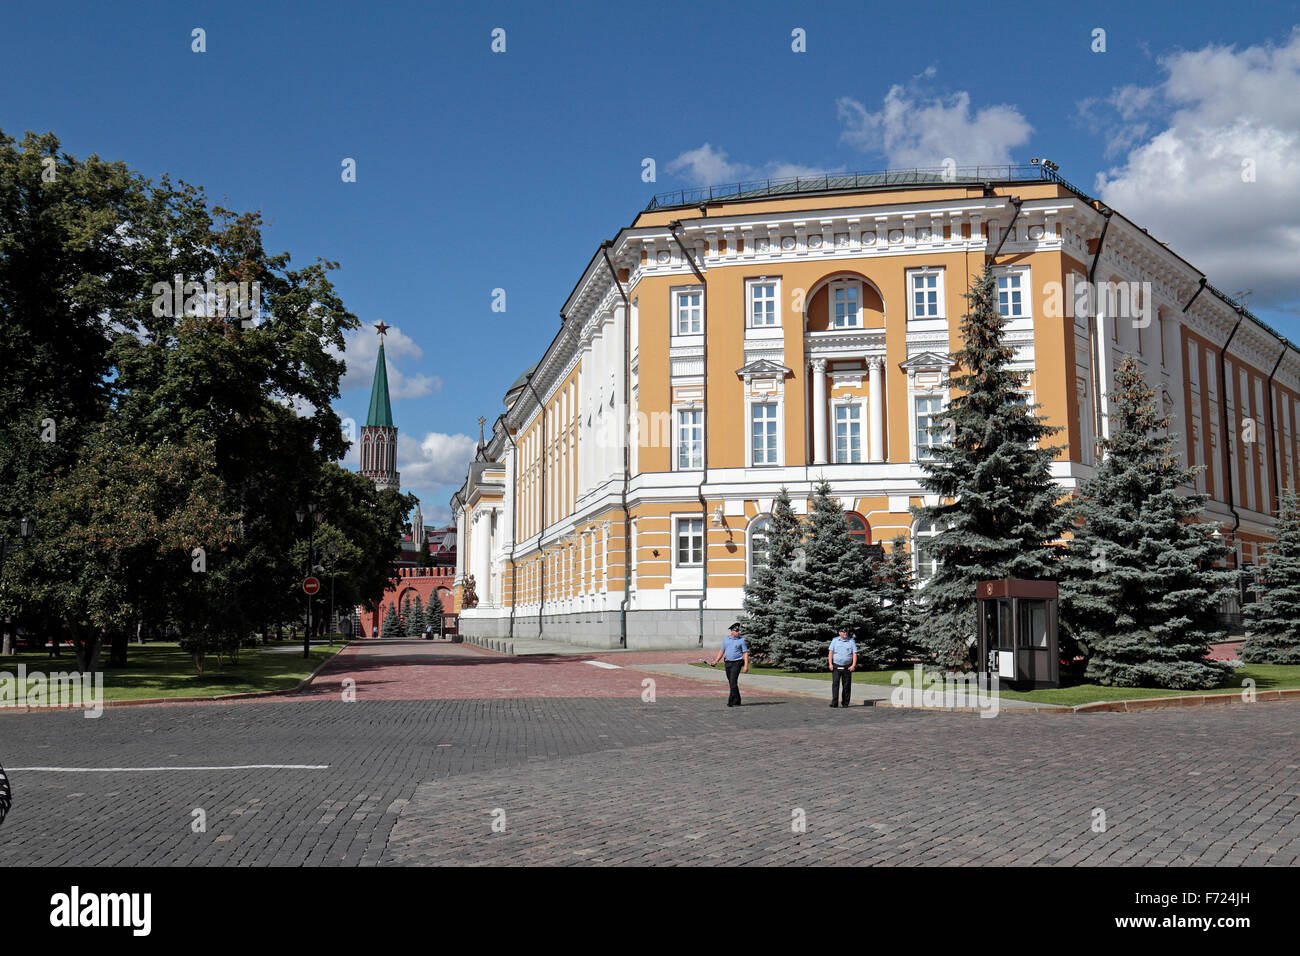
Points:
(361, 348)
(1224, 111)
(434, 460)
(910, 130)
(707, 166)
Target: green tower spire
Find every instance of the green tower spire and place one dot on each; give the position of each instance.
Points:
(381, 412)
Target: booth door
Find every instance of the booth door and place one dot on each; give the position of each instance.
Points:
(999, 637)
(1033, 653)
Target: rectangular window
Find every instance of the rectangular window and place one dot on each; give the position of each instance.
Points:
(925, 295)
(690, 439)
(927, 407)
(1010, 296)
(848, 433)
(844, 305)
(762, 305)
(690, 312)
(690, 542)
(763, 434)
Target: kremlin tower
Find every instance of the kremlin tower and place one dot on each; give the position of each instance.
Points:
(379, 434)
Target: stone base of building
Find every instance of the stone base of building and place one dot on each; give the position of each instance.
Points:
(646, 630)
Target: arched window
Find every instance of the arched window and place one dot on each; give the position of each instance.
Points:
(759, 529)
(923, 532)
(859, 530)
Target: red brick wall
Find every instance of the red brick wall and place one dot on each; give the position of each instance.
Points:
(410, 581)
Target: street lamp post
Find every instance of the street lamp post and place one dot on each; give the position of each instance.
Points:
(25, 528)
(334, 557)
(317, 515)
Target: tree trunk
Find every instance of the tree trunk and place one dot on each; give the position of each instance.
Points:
(117, 651)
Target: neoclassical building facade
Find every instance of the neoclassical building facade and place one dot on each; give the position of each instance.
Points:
(729, 342)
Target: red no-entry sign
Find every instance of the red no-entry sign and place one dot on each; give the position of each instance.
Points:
(311, 586)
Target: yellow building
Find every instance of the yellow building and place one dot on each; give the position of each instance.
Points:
(731, 341)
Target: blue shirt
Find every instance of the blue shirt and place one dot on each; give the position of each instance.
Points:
(842, 650)
(734, 648)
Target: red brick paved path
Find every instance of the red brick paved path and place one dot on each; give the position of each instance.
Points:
(426, 670)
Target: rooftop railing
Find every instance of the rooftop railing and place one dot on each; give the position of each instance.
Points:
(844, 182)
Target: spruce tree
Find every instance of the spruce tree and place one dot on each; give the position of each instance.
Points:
(830, 587)
(1139, 588)
(764, 616)
(891, 641)
(997, 499)
(415, 618)
(392, 624)
(1274, 619)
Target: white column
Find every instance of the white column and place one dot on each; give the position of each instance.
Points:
(1173, 358)
(482, 555)
(1103, 360)
(876, 404)
(620, 412)
(586, 445)
(819, 411)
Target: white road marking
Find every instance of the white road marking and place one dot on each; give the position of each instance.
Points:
(612, 667)
(247, 766)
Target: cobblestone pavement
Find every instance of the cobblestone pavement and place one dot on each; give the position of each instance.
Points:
(418, 670)
(677, 781)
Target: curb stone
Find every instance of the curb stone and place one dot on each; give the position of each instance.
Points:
(217, 698)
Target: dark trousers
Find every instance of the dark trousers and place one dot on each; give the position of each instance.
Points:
(733, 675)
(841, 674)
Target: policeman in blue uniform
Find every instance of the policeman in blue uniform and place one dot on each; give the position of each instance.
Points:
(842, 659)
(735, 652)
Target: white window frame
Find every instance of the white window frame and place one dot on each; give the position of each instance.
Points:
(831, 289)
(776, 420)
(912, 276)
(677, 541)
(1021, 273)
(749, 542)
(921, 439)
(678, 444)
(751, 285)
(677, 293)
(860, 407)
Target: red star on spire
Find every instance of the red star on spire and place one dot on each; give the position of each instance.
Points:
(382, 327)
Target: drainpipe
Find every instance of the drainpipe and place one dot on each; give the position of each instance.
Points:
(514, 511)
(1274, 469)
(541, 508)
(627, 462)
(1015, 204)
(1094, 343)
(704, 476)
(1223, 420)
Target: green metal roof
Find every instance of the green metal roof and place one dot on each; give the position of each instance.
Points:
(381, 412)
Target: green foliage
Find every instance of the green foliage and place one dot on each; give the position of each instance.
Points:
(115, 539)
(1139, 589)
(891, 640)
(415, 620)
(998, 501)
(91, 351)
(828, 585)
(392, 626)
(764, 616)
(1274, 619)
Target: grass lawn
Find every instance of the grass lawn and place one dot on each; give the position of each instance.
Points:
(1266, 677)
(164, 670)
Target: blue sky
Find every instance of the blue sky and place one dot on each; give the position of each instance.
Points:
(479, 170)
